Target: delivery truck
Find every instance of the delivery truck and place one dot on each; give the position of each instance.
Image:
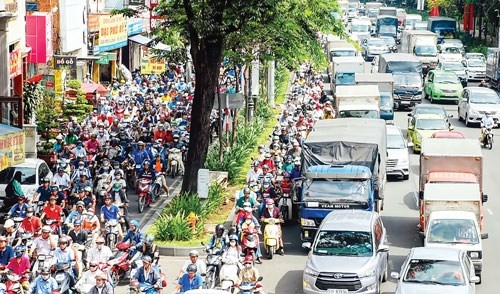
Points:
(343, 167)
(423, 44)
(358, 101)
(385, 83)
(343, 69)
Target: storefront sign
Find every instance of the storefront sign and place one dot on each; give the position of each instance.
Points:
(103, 59)
(64, 62)
(12, 149)
(148, 65)
(93, 23)
(134, 26)
(15, 63)
(112, 32)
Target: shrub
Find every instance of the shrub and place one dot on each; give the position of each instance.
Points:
(184, 203)
(173, 227)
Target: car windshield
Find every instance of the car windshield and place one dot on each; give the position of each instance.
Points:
(337, 190)
(461, 231)
(28, 175)
(389, 41)
(426, 50)
(407, 79)
(446, 79)
(375, 42)
(431, 124)
(343, 243)
(484, 98)
(387, 29)
(451, 50)
(359, 113)
(431, 110)
(453, 66)
(386, 100)
(360, 28)
(442, 272)
(476, 63)
(395, 141)
(373, 12)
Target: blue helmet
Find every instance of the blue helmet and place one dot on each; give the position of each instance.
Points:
(19, 250)
(135, 223)
(77, 222)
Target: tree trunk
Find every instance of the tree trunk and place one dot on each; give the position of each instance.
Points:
(207, 55)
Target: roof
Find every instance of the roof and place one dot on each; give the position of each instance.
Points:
(388, 57)
(30, 162)
(393, 130)
(91, 87)
(452, 191)
(448, 134)
(428, 116)
(429, 106)
(348, 130)
(480, 89)
(451, 147)
(443, 72)
(357, 91)
(347, 59)
(435, 253)
(373, 77)
(355, 220)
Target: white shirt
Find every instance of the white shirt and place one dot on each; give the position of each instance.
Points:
(487, 122)
(59, 180)
(201, 267)
(42, 245)
(97, 255)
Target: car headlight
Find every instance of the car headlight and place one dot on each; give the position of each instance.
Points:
(310, 272)
(367, 274)
(305, 222)
(475, 254)
(438, 91)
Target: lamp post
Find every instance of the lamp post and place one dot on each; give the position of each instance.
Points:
(498, 29)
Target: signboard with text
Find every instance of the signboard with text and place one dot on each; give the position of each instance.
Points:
(15, 63)
(149, 64)
(112, 32)
(12, 149)
(64, 62)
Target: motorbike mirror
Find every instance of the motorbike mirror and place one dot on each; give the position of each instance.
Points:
(203, 274)
(260, 279)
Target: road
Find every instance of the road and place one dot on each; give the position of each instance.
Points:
(283, 274)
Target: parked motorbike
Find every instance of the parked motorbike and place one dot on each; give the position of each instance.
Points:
(111, 233)
(213, 261)
(61, 275)
(144, 197)
(271, 236)
(250, 288)
(174, 157)
(119, 266)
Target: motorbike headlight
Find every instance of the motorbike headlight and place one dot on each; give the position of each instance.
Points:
(310, 272)
(367, 273)
(60, 277)
(305, 222)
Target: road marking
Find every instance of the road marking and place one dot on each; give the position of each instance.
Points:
(489, 211)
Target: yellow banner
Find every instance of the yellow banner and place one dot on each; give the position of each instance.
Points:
(112, 32)
(148, 65)
(58, 83)
(11, 149)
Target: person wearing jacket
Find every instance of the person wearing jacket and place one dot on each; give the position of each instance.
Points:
(101, 286)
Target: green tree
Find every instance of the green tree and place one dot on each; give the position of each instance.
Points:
(283, 29)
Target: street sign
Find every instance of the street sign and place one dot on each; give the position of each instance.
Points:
(203, 183)
(103, 60)
(236, 101)
(64, 62)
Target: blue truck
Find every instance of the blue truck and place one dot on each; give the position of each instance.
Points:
(387, 25)
(444, 27)
(343, 167)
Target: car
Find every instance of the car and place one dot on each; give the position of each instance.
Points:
(429, 109)
(475, 69)
(350, 254)
(442, 85)
(456, 42)
(448, 135)
(373, 47)
(33, 171)
(398, 159)
(457, 67)
(390, 42)
(423, 126)
(475, 101)
(474, 56)
(450, 52)
(436, 270)
(386, 104)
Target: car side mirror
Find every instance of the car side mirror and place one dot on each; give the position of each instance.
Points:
(383, 248)
(260, 279)
(307, 245)
(484, 198)
(475, 279)
(395, 275)
(484, 236)
(409, 114)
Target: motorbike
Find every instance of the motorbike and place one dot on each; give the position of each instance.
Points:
(13, 284)
(119, 266)
(128, 165)
(42, 260)
(54, 225)
(250, 242)
(174, 157)
(111, 232)
(63, 163)
(229, 275)
(61, 275)
(39, 208)
(271, 236)
(285, 206)
(488, 138)
(136, 288)
(213, 261)
(144, 198)
(157, 185)
(250, 288)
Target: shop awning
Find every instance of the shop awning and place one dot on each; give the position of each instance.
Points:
(93, 87)
(143, 40)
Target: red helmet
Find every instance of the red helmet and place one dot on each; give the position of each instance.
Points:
(248, 258)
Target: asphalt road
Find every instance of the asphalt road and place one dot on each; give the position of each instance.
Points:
(283, 274)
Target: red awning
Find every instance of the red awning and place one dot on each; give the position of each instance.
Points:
(92, 87)
(35, 79)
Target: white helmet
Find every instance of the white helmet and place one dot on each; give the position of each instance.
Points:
(8, 223)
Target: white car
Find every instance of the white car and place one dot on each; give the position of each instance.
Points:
(33, 171)
(475, 68)
(473, 55)
(449, 52)
(398, 159)
(475, 101)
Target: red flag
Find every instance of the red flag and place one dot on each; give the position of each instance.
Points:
(466, 17)
(434, 11)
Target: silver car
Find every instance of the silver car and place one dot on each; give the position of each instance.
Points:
(475, 101)
(475, 68)
(436, 270)
(398, 159)
(350, 254)
(373, 47)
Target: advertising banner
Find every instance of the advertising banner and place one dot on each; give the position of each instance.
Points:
(148, 65)
(15, 63)
(112, 32)
(11, 149)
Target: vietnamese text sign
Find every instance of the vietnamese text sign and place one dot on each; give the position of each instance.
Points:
(112, 32)
(148, 65)
(64, 61)
(12, 147)
(15, 63)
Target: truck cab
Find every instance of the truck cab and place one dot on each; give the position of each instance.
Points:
(359, 101)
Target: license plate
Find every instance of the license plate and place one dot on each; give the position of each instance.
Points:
(337, 291)
(389, 170)
(405, 102)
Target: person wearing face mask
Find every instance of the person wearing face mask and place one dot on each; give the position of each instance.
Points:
(99, 158)
(19, 209)
(148, 274)
(190, 280)
(43, 192)
(101, 286)
(193, 260)
(79, 151)
(135, 237)
(100, 252)
(76, 214)
(31, 224)
(251, 221)
(254, 173)
(64, 254)
(231, 258)
(272, 211)
(82, 183)
(70, 138)
(61, 178)
(20, 265)
(116, 170)
(249, 273)
(261, 154)
(42, 245)
(88, 278)
(44, 283)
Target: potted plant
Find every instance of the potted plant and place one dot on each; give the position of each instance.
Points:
(79, 108)
(46, 116)
(32, 94)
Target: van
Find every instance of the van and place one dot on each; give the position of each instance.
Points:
(350, 253)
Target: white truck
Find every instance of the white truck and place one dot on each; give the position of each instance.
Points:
(340, 48)
(343, 69)
(360, 28)
(423, 44)
(410, 21)
(361, 101)
(385, 83)
(452, 215)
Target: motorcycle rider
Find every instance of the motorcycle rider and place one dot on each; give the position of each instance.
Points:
(487, 122)
(136, 239)
(19, 209)
(190, 280)
(151, 250)
(63, 254)
(193, 260)
(43, 192)
(31, 224)
(483, 84)
(288, 165)
(266, 191)
(101, 286)
(265, 175)
(99, 253)
(58, 145)
(231, 256)
(88, 278)
(61, 178)
(254, 173)
(6, 251)
(246, 197)
(218, 240)
(175, 154)
(329, 112)
(148, 274)
(52, 211)
(79, 151)
(82, 183)
(109, 211)
(75, 215)
(20, 265)
(140, 155)
(296, 172)
(12, 234)
(147, 173)
(79, 236)
(42, 245)
(269, 162)
(296, 151)
(159, 166)
(248, 221)
(91, 223)
(44, 283)
(271, 211)
(249, 272)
